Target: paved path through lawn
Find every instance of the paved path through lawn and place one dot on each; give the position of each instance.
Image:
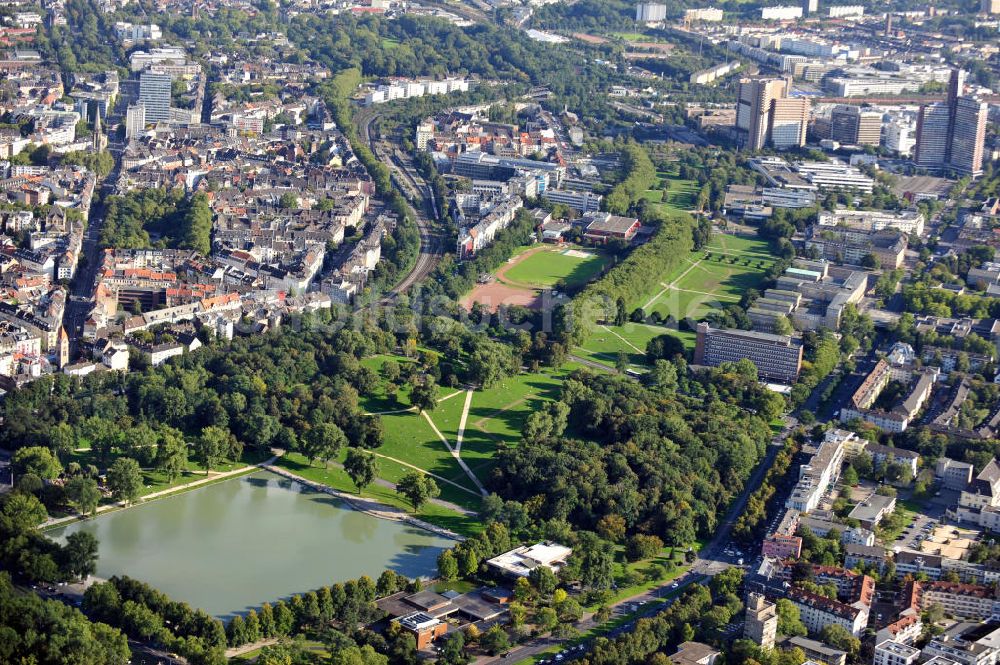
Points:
(424, 471)
(388, 484)
(637, 349)
(667, 287)
(408, 409)
(461, 423)
(454, 453)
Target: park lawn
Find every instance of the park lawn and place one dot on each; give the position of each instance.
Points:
(378, 399)
(632, 36)
(550, 267)
(681, 196)
(714, 280)
(468, 498)
(409, 438)
(735, 244)
(605, 343)
(338, 479)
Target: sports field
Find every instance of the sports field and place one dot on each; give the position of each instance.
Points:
(522, 279)
(711, 278)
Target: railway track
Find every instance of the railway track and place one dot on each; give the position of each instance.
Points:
(431, 242)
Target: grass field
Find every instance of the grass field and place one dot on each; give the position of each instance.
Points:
(606, 342)
(681, 194)
(549, 267)
(496, 416)
(716, 276)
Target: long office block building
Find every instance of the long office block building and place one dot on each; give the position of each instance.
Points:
(777, 357)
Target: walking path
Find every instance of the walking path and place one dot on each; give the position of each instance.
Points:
(233, 652)
(461, 423)
(633, 346)
(424, 471)
(411, 409)
(367, 506)
(56, 521)
(456, 456)
(669, 286)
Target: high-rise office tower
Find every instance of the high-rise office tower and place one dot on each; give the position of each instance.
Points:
(968, 135)
(855, 126)
(154, 93)
(951, 134)
(761, 101)
(931, 149)
(810, 6)
(789, 119)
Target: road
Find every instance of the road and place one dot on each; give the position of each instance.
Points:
(711, 561)
(431, 242)
(80, 302)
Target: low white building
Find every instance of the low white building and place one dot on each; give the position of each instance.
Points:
(521, 561)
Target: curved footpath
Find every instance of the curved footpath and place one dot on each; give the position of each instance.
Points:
(367, 506)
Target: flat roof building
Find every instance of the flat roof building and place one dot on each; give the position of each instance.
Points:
(777, 357)
(521, 561)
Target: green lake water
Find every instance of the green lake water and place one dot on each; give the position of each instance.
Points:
(231, 546)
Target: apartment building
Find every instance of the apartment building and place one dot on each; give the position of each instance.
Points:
(895, 653)
(761, 621)
(910, 222)
(854, 125)
(816, 477)
(965, 601)
(817, 612)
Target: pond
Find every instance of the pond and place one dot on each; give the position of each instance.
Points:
(231, 546)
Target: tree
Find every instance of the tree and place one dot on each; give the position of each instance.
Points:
(789, 622)
(21, 512)
(80, 555)
(447, 565)
(495, 640)
(125, 479)
(288, 201)
(197, 224)
(640, 546)
(423, 394)
(546, 619)
(453, 651)
(84, 494)
(417, 488)
(323, 442)
(871, 262)
(211, 446)
(172, 453)
(782, 326)
(362, 467)
(850, 476)
(38, 460)
(840, 638)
